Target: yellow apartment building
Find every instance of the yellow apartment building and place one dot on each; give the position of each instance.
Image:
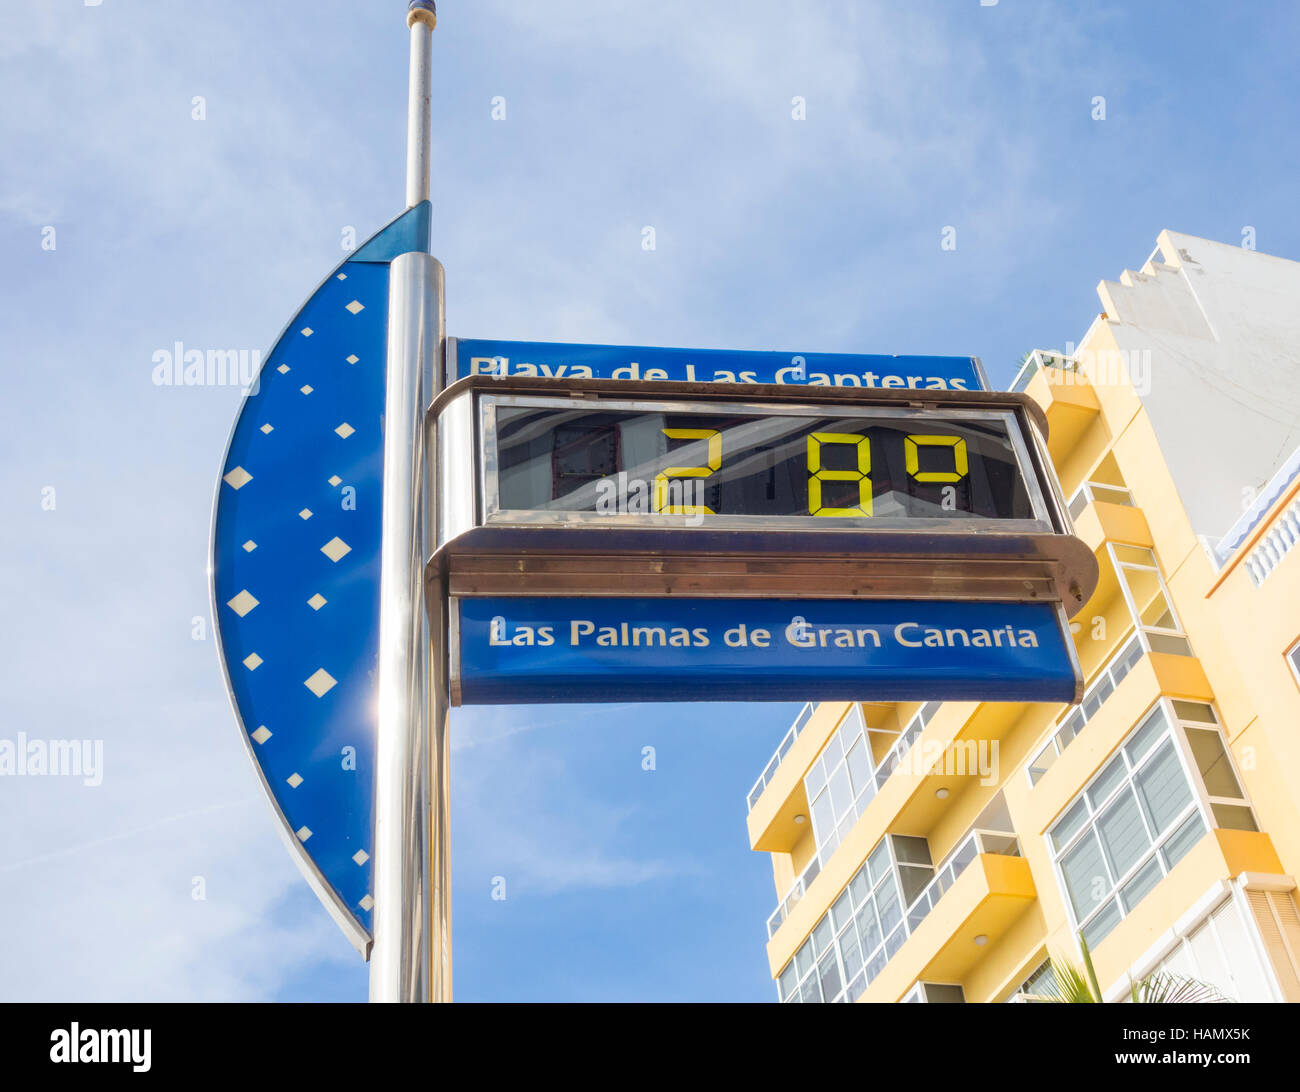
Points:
(940, 852)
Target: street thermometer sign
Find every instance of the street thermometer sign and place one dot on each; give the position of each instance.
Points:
(405, 521)
(892, 544)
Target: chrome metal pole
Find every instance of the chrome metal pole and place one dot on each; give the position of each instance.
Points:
(421, 18)
(399, 958)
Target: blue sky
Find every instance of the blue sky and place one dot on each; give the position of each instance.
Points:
(771, 233)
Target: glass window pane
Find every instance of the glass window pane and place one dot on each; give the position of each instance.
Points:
(821, 935)
(786, 983)
(857, 987)
(1143, 881)
(1070, 824)
(868, 929)
(878, 862)
(815, 780)
(841, 791)
(1212, 762)
(842, 911)
(859, 765)
(832, 754)
(803, 958)
(895, 941)
(966, 853)
(1110, 778)
(1141, 740)
(812, 994)
(859, 886)
(850, 952)
(914, 878)
(1070, 727)
(829, 970)
(1042, 762)
(1233, 817)
(1137, 555)
(823, 816)
(1196, 711)
(1162, 787)
(887, 906)
(910, 849)
(1123, 834)
(1157, 613)
(1186, 836)
(1086, 880)
(1173, 646)
(875, 965)
(829, 846)
(1099, 928)
(1134, 653)
(850, 731)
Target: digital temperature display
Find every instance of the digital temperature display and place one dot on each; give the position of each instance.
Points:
(864, 466)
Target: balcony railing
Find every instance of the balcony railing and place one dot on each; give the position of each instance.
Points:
(1099, 491)
(979, 841)
(782, 750)
(1036, 361)
(1282, 538)
(888, 764)
(1250, 519)
(1094, 697)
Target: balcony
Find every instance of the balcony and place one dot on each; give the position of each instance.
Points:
(1055, 383)
(1152, 676)
(1219, 858)
(783, 749)
(894, 895)
(830, 840)
(974, 899)
(1278, 541)
(1107, 513)
(1281, 487)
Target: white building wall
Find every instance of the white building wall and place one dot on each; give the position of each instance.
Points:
(1210, 334)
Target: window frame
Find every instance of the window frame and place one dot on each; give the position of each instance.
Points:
(1201, 803)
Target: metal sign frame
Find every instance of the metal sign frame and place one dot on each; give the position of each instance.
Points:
(485, 552)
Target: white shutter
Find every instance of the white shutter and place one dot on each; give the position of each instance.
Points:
(1243, 963)
(1264, 906)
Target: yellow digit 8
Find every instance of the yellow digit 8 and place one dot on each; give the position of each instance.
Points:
(912, 454)
(659, 499)
(817, 475)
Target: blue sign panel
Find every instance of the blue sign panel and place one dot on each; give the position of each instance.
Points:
(559, 361)
(295, 570)
(519, 649)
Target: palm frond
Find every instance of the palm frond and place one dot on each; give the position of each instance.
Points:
(1176, 989)
(1065, 984)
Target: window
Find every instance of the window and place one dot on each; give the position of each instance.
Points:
(862, 930)
(1131, 825)
(1148, 599)
(1072, 724)
(845, 777)
(935, 993)
(1143, 811)
(1222, 951)
(1293, 658)
(1037, 986)
(840, 783)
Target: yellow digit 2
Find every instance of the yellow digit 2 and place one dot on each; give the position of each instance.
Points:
(659, 499)
(912, 454)
(817, 475)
